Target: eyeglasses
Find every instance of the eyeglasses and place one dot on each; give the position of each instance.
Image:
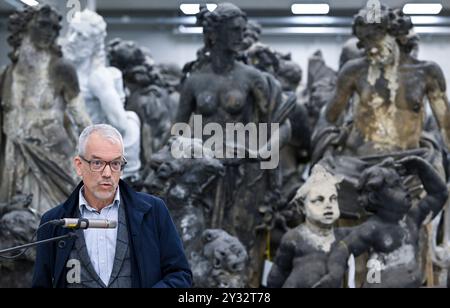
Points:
(98, 165)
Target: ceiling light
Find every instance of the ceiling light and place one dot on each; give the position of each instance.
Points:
(310, 9)
(211, 6)
(194, 8)
(422, 8)
(30, 2)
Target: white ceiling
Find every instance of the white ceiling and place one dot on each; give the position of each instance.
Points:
(244, 4)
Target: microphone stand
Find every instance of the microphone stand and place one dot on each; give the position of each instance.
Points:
(54, 239)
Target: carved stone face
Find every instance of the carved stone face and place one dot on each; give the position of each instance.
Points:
(43, 31)
(321, 205)
(231, 34)
(228, 257)
(79, 43)
(394, 199)
(383, 50)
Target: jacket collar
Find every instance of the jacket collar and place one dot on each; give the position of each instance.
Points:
(128, 196)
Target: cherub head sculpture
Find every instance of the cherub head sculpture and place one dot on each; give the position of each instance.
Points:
(383, 192)
(317, 199)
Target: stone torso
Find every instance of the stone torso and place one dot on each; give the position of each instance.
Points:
(224, 98)
(389, 115)
(34, 106)
(311, 252)
(395, 251)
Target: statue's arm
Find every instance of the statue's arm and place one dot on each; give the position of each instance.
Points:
(282, 266)
(187, 103)
(358, 241)
(66, 76)
(436, 92)
(345, 88)
(101, 83)
(434, 185)
(261, 92)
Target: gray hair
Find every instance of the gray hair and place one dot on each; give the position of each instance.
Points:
(105, 130)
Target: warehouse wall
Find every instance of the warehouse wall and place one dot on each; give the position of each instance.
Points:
(181, 48)
(166, 46)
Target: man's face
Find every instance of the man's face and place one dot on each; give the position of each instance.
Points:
(78, 44)
(321, 205)
(100, 185)
(43, 31)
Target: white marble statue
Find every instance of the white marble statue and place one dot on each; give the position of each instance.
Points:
(102, 85)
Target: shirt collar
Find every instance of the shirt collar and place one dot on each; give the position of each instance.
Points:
(84, 204)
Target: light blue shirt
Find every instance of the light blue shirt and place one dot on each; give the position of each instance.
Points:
(101, 243)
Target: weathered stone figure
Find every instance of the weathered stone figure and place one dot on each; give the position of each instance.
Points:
(302, 257)
(391, 236)
(223, 90)
(387, 88)
(188, 186)
(102, 86)
(42, 112)
(146, 96)
(392, 86)
(18, 223)
(221, 263)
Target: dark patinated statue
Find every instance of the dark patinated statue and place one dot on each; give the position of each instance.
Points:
(188, 186)
(289, 75)
(18, 224)
(42, 111)
(147, 96)
(235, 93)
(391, 236)
(252, 33)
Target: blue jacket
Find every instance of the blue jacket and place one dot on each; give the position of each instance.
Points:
(157, 254)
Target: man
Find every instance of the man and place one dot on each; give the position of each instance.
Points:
(143, 251)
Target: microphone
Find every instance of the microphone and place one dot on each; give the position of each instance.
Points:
(82, 223)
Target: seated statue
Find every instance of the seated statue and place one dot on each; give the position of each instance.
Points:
(42, 112)
(102, 86)
(221, 263)
(391, 235)
(302, 257)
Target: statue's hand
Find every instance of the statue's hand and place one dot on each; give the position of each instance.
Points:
(409, 164)
(325, 282)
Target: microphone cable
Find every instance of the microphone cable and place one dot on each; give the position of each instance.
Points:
(31, 241)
